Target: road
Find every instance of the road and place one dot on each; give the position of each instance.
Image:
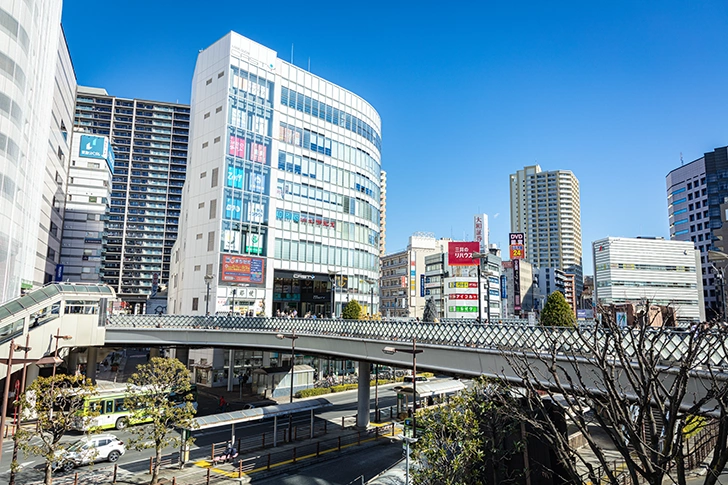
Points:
(343, 404)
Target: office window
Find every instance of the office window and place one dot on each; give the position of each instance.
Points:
(201, 205)
(215, 172)
(213, 208)
(211, 241)
(199, 236)
(195, 304)
(208, 269)
(203, 175)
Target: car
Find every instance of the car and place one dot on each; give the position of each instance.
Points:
(408, 379)
(90, 449)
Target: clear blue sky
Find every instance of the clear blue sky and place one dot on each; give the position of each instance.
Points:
(468, 92)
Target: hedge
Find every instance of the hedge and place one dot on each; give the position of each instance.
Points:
(314, 391)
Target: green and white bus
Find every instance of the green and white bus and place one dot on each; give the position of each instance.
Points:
(108, 411)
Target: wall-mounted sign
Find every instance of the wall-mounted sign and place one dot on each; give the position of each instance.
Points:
(517, 246)
(242, 269)
(461, 253)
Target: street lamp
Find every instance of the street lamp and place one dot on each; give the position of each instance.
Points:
(6, 391)
(408, 441)
(235, 290)
(59, 337)
(414, 351)
(208, 280)
(480, 257)
(293, 338)
(332, 278)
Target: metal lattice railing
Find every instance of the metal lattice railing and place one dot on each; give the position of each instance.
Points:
(505, 334)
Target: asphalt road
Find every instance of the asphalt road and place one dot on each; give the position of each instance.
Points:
(343, 404)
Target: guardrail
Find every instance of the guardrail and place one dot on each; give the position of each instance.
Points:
(671, 345)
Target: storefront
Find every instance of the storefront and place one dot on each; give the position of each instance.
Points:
(302, 293)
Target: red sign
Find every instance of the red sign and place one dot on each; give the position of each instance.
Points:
(237, 146)
(466, 296)
(516, 246)
(461, 253)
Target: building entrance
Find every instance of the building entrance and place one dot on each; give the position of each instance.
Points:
(301, 295)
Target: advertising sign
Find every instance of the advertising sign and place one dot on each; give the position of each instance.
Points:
(231, 241)
(516, 285)
(233, 208)
(461, 253)
(403, 282)
(256, 183)
(234, 177)
(622, 319)
(256, 212)
(480, 225)
(242, 269)
(504, 285)
(516, 246)
(59, 272)
(413, 274)
(93, 147)
(460, 296)
(237, 146)
(422, 285)
(584, 314)
(253, 243)
(258, 152)
(155, 283)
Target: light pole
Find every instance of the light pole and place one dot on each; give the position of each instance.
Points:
(59, 337)
(408, 441)
(235, 290)
(6, 391)
(721, 257)
(332, 278)
(293, 338)
(414, 351)
(208, 280)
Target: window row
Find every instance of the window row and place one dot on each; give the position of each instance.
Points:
(304, 194)
(310, 252)
(327, 227)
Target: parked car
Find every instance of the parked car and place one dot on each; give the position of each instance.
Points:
(408, 379)
(90, 449)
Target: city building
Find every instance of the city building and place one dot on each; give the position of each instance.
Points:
(87, 205)
(520, 294)
(36, 110)
(641, 270)
(403, 286)
(149, 140)
(545, 207)
(383, 214)
(282, 199)
(694, 193)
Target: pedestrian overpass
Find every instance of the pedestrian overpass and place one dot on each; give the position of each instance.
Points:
(464, 348)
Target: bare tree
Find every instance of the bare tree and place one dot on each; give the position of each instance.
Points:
(640, 382)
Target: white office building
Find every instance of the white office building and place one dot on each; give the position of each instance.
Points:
(637, 270)
(87, 207)
(282, 196)
(37, 84)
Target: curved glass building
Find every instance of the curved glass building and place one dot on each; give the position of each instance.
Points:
(281, 207)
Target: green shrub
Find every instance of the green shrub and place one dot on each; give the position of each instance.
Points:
(314, 391)
(343, 387)
(352, 311)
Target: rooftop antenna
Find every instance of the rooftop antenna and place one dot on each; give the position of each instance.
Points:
(681, 160)
(291, 52)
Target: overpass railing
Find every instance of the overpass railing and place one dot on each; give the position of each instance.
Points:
(670, 345)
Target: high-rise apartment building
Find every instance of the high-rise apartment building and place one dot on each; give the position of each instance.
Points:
(641, 270)
(149, 140)
(282, 197)
(545, 207)
(36, 109)
(694, 194)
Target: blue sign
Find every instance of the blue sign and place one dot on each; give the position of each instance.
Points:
(93, 147)
(504, 285)
(59, 272)
(256, 182)
(422, 285)
(233, 208)
(234, 177)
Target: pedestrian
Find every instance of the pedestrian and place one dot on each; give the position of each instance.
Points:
(222, 404)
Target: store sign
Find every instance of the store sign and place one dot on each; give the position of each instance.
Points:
(480, 225)
(231, 241)
(93, 147)
(256, 212)
(237, 146)
(516, 285)
(517, 246)
(460, 296)
(422, 285)
(254, 243)
(235, 177)
(233, 208)
(463, 309)
(461, 253)
(242, 269)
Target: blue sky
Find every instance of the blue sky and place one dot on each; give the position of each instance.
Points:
(468, 92)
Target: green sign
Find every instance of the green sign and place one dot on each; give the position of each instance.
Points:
(464, 309)
(254, 244)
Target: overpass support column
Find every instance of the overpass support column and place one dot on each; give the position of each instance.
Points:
(183, 355)
(362, 416)
(93, 360)
(72, 362)
(31, 374)
(231, 368)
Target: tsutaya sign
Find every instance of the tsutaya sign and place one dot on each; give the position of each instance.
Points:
(461, 253)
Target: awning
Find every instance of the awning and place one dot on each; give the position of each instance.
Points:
(433, 388)
(256, 414)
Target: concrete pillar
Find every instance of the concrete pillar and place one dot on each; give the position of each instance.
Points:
(266, 359)
(153, 352)
(31, 374)
(72, 362)
(362, 417)
(93, 360)
(183, 355)
(231, 367)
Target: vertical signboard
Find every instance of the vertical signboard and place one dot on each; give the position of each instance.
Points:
(516, 246)
(461, 253)
(413, 274)
(516, 285)
(422, 285)
(480, 229)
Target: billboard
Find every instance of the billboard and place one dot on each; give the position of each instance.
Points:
(234, 177)
(94, 147)
(237, 146)
(516, 285)
(517, 246)
(480, 226)
(461, 253)
(242, 269)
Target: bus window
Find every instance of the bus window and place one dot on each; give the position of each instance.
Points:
(119, 405)
(109, 406)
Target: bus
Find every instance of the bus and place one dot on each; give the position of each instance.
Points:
(109, 411)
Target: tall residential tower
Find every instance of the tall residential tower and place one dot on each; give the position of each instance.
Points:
(149, 140)
(282, 200)
(545, 207)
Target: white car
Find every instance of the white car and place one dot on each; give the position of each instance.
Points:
(90, 449)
